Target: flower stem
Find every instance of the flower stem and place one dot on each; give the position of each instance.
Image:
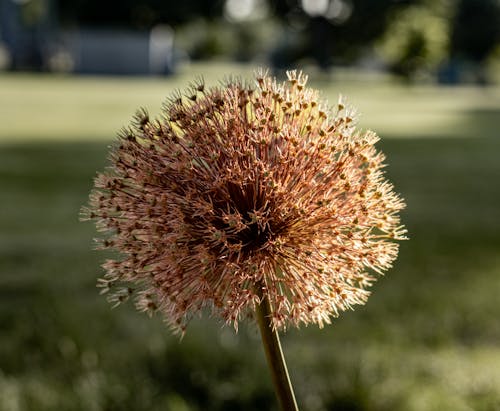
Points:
(274, 354)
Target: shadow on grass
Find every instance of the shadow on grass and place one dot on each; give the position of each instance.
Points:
(63, 348)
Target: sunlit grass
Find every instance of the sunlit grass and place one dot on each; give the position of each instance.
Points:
(46, 107)
(427, 339)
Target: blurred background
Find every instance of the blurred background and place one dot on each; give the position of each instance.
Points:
(424, 75)
(451, 41)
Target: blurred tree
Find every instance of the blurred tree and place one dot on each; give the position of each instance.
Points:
(474, 35)
(475, 29)
(416, 39)
(333, 30)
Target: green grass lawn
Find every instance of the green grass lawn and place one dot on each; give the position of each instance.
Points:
(428, 339)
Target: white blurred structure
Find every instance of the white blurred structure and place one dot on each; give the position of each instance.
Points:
(99, 51)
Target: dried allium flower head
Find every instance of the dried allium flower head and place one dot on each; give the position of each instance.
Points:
(241, 192)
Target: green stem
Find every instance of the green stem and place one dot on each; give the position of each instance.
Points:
(274, 354)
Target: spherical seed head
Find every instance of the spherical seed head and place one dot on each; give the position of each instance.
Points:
(240, 192)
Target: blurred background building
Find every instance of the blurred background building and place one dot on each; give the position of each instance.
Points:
(449, 40)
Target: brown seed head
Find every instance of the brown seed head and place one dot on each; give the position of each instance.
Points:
(238, 192)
